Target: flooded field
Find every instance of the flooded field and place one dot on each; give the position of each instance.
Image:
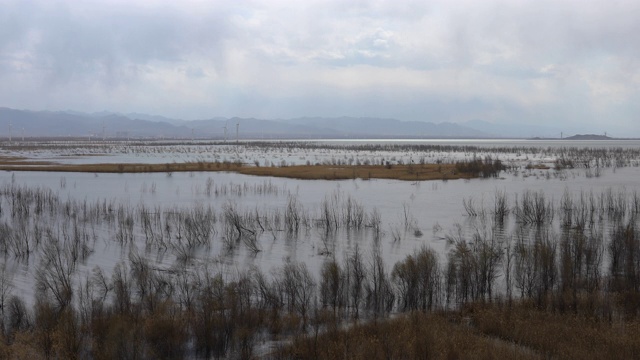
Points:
(63, 234)
(351, 152)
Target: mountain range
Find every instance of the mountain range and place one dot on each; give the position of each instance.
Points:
(17, 123)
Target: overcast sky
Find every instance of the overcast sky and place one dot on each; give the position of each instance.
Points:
(562, 63)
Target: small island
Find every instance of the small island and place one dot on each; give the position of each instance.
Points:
(578, 137)
(588, 137)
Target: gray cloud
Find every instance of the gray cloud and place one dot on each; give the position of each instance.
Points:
(505, 61)
(109, 43)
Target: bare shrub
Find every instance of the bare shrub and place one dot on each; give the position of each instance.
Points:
(332, 286)
(417, 280)
(54, 276)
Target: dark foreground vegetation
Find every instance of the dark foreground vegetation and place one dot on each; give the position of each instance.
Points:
(535, 278)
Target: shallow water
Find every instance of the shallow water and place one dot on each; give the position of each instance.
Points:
(433, 207)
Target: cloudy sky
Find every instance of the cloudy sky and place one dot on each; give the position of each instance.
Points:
(570, 64)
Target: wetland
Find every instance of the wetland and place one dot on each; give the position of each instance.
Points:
(271, 249)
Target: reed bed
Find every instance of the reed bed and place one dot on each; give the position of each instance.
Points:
(308, 172)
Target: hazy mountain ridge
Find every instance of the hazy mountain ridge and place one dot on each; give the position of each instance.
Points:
(371, 127)
(76, 124)
(136, 125)
(515, 130)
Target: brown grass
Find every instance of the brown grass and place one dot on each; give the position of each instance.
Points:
(337, 172)
(410, 336)
(560, 336)
(21, 165)
(479, 331)
(531, 166)
(311, 172)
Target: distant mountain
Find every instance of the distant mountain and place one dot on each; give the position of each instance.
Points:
(154, 118)
(75, 124)
(257, 129)
(388, 128)
(136, 125)
(514, 130)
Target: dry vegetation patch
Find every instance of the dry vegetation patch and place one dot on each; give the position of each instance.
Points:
(479, 331)
(412, 336)
(119, 167)
(338, 172)
(17, 161)
(311, 172)
(560, 335)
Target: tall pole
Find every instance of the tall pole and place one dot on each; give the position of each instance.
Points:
(10, 125)
(237, 137)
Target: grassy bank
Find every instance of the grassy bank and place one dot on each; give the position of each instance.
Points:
(412, 172)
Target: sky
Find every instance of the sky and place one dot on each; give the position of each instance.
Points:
(566, 64)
